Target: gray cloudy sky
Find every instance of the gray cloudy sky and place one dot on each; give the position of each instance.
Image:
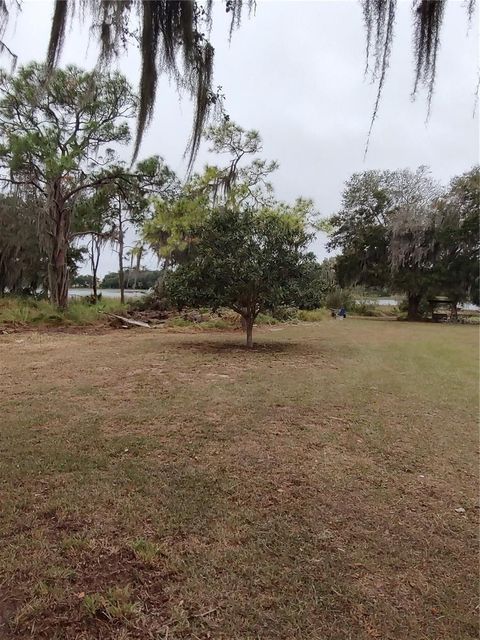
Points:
(294, 71)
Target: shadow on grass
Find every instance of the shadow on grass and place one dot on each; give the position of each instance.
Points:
(290, 350)
(240, 348)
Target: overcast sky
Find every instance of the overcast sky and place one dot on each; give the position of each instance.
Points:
(294, 71)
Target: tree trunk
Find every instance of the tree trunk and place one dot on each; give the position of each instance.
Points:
(121, 273)
(58, 265)
(454, 312)
(413, 306)
(94, 284)
(95, 250)
(95, 259)
(137, 266)
(249, 326)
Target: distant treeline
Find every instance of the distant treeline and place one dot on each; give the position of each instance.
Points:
(142, 279)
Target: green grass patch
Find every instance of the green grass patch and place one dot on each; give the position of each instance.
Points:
(145, 550)
(116, 604)
(18, 311)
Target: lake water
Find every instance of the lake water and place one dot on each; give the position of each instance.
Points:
(137, 293)
(382, 302)
(106, 293)
(390, 302)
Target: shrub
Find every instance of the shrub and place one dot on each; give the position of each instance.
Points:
(284, 313)
(312, 315)
(340, 298)
(149, 302)
(25, 311)
(365, 309)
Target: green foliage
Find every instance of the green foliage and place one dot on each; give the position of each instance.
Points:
(82, 281)
(145, 550)
(265, 318)
(364, 309)
(369, 310)
(238, 183)
(172, 231)
(315, 282)
(178, 321)
(360, 231)
(52, 122)
(458, 238)
(216, 323)
(285, 313)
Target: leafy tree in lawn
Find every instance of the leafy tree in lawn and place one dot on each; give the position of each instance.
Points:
(55, 130)
(360, 231)
(171, 31)
(412, 220)
(248, 261)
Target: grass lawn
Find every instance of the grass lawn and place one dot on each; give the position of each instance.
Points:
(171, 486)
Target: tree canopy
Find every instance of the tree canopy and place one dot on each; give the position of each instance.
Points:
(400, 229)
(248, 260)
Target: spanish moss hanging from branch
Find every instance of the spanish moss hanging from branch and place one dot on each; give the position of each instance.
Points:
(379, 17)
(4, 19)
(172, 41)
(428, 18)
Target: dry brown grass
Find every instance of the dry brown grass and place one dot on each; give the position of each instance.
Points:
(174, 486)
